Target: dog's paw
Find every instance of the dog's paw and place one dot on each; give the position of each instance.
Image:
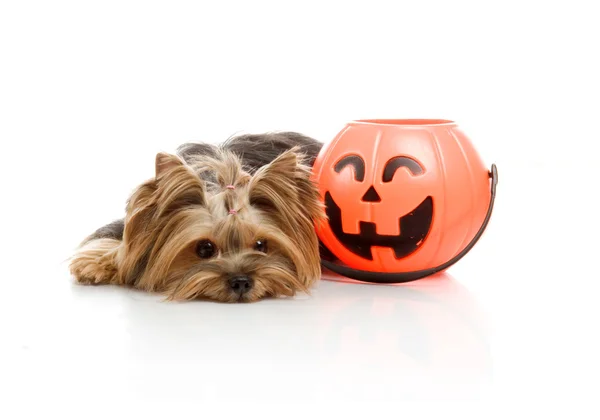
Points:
(94, 262)
(91, 271)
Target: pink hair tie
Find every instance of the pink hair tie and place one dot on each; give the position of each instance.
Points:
(230, 187)
(232, 211)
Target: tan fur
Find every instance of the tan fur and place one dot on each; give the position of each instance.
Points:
(96, 262)
(167, 216)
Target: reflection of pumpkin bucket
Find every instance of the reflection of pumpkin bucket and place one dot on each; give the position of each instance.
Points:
(426, 335)
(404, 198)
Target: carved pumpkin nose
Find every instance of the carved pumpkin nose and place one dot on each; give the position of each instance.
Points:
(371, 196)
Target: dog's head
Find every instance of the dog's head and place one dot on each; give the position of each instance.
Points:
(210, 229)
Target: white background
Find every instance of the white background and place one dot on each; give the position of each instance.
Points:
(91, 91)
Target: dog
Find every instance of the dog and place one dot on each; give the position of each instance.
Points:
(229, 223)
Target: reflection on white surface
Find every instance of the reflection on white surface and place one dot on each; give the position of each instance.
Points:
(403, 340)
(418, 340)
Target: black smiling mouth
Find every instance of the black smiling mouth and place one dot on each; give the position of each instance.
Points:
(414, 227)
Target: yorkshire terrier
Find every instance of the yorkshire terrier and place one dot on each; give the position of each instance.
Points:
(231, 223)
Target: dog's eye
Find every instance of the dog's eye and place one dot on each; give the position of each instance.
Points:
(261, 245)
(206, 249)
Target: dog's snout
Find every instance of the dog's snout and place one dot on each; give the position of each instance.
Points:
(241, 284)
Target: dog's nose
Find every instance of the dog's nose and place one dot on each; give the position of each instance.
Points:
(241, 284)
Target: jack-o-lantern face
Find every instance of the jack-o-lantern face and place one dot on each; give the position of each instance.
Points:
(400, 195)
(413, 227)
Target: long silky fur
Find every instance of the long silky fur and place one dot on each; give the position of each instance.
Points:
(191, 198)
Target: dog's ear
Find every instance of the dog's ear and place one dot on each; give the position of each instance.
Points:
(166, 162)
(273, 186)
(178, 185)
(285, 187)
(174, 187)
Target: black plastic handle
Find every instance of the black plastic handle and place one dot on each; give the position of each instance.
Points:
(377, 277)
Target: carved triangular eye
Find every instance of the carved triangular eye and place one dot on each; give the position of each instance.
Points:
(355, 161)
(394, 164)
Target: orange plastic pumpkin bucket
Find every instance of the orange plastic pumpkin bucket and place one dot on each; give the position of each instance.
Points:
(404, 198)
